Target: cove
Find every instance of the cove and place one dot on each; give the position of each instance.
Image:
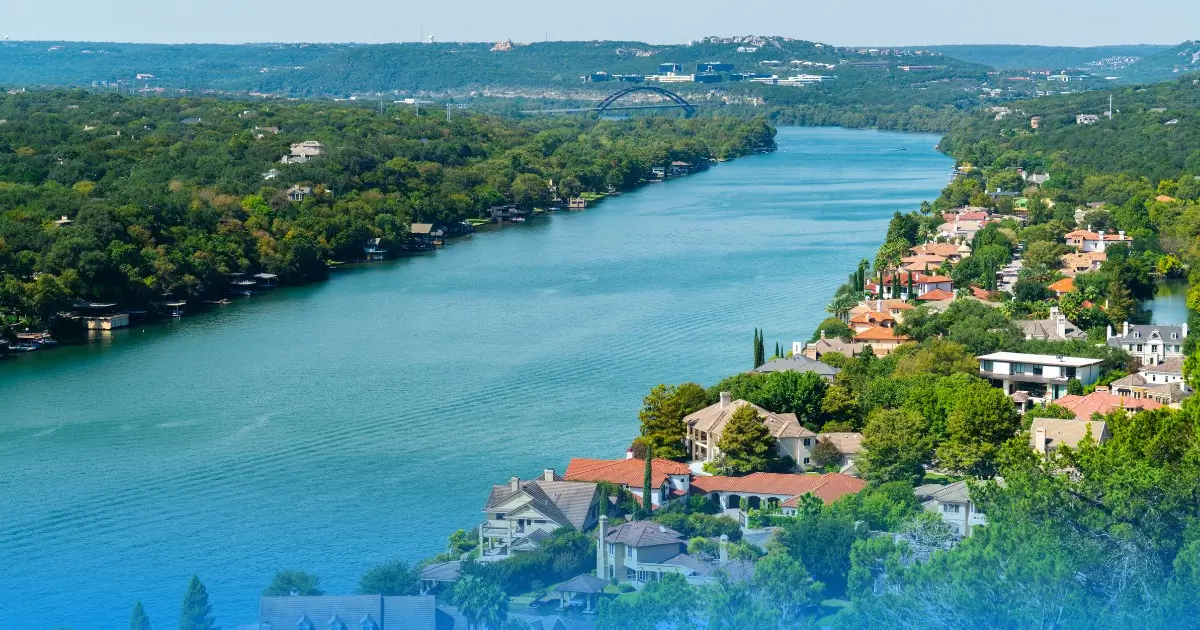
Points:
(332, 427)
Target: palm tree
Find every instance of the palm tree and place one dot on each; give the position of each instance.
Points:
(840, 305)
(483, 604)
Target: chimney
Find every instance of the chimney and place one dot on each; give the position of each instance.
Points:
(601, 546)
(1184, 331)
(1039, 440)
(1125, 329)
(629, 453)
(1089, 227)
(514, 484)
(879, 306)
(1121, 233)
(726, 400)
(724, 546)
(1108, 335)
(822, 333)
(1060, 322)
(548, 474)
(1102, 389)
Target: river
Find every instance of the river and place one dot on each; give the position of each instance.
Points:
(335, 426)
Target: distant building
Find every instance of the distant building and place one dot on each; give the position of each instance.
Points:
(1041, 376)
(1054, 328)
(714, 66)
(299, 193)
(670, 68)
(669, 479)
(1035, 122)
(521, 514)
(952, 503)
(704, 429)
(798, 363)
(1089, 241)
(1086, 119)
(1104, 402)
(1151, 343)
(1162, 383)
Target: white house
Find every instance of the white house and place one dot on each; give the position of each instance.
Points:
(1152, 343)
(953, 503)
(521, 514)
(1042, 376)
(1089, 241)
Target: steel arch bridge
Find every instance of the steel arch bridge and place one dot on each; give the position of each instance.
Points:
(610, 102)
(678, 101)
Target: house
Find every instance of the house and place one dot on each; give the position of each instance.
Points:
(924, 284)
(1103, 402)
(870, 319)
(922, 262)
(576, 203)
(640, 552)
(961, 229)
(668, 479)
(882, 340)
(1047, 434)
(308, 148)
(1054, 328)
(294, 159)
(848, 445)
(1062, 287)
(1089, 241)
(439, 574)
(299, 193)
(1082, 262)
(521, 514)
(936, 295)
(950, 251)
(824, 345)
(1162, 383)
(704, 428)
(424, 236)
(953, 503)
(1086, 119)
(342, 612)
(373, 249)
(798, 363)
(761, 490)
(892, 307)
(1042, 376)
(1150, 343)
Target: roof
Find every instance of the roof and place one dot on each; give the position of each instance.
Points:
(1141, 332)
(957, 492)
(1173, 365)
(713, 418)
(937, 249)
(933, 259)
(1043, 359)
(871, 317)
(847, 443)
(564, 502)
(1103, 403)
(1048, 329)
(624, 472)
(936, 295)
(586, 583)
(1088, 235)
(442, 571)
(879, 333)
(923, 279)
(643, 534)
(797, 363)
(1067, 432)
(828, 487)
(738, 570)
(421, 228)
(415, 612)
(1066, 285)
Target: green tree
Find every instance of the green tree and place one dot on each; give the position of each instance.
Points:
(647, 483)
(982, 420)
(789, 391)
(822, 545)
(833, 328)
(825, 454)
(139, 620)
(786, 588)
(896, 445)
(289, 582)
(838, 406)
(482, 603)
(759, 350)
(391, 578)
(661, 416)
(746, 444)
(196, 613)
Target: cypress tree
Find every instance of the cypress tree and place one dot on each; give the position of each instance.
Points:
(647, 503)
(760, 350)
(910, 288)
(196, 613)
(138, 620)
(881, 284)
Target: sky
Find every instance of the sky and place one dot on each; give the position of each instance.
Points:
(839, 22)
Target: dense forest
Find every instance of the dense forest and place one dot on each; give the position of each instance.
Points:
(167, 197)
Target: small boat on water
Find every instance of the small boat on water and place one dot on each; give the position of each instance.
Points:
(518, 219)
(23, 346)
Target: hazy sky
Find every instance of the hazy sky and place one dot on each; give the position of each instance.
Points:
(842, 22)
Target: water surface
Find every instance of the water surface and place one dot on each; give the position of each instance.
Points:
(331, 427)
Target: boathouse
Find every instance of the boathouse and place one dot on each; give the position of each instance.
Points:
(373, 250)
(576, 203)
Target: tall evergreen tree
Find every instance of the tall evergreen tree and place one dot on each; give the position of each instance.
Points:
(910, 288)
(138, 620)
(196, 613)
(647, 481)
(761, 357)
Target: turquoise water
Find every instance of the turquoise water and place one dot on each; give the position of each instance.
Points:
(1169, 305)
(332, 427)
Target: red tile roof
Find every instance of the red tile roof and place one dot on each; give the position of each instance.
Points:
(1066, 285)
(625, 472)
(1103, 402)
(936, 295)
(879, 333)
(928, 279)
(828, 487)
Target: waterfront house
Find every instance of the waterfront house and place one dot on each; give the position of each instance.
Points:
(1047, 434)
(1044, 377)
(953, 503)
(798, 363)
(576, 203)
(771, 490)
(936, 295)
(1162, 382)
(892, 307)
(1103, 402)
(1150, 344)
(641, 552)
(1089, 241)
(521, 514)
(424, 236)
(669, 480)
(881, 339)
(926, 283)
(824, 345)
(870, 319)
(342, 612)
(952, 252)
(1054, 328)
(704, 428)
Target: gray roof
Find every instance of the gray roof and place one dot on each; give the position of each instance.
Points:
(1172, 365)
(737, 570)
(957, 492)
(586, 583)
(1139, 333)
(643, 534)
(389, 613)
(449, 618)
(798, 363)
(1048, 329)
(564, 502)
(441, 571)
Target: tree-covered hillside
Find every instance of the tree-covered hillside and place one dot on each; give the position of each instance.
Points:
(170, 196)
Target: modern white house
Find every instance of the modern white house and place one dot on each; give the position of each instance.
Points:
(1150, 343)
(953, 503)
(1042, 377)
(519, 515)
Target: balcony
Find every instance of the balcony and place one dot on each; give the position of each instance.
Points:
(1023, 378)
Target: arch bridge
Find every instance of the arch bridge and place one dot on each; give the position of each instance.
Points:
(610, 102)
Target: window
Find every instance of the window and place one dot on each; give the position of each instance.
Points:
(1174, 335)
(628, 552)
(950, 508)
(806, 460)
(1018, 368)
(499, 516)
(612, 549)
(808, 441)
(1137, 335)
(987, 366)
(1068, 372)
(1139, 347)
(1037, 370)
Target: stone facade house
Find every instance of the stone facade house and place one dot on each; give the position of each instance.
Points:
(521, 514)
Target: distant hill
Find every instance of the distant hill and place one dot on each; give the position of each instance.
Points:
(1166, 64)
(1015, 57)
